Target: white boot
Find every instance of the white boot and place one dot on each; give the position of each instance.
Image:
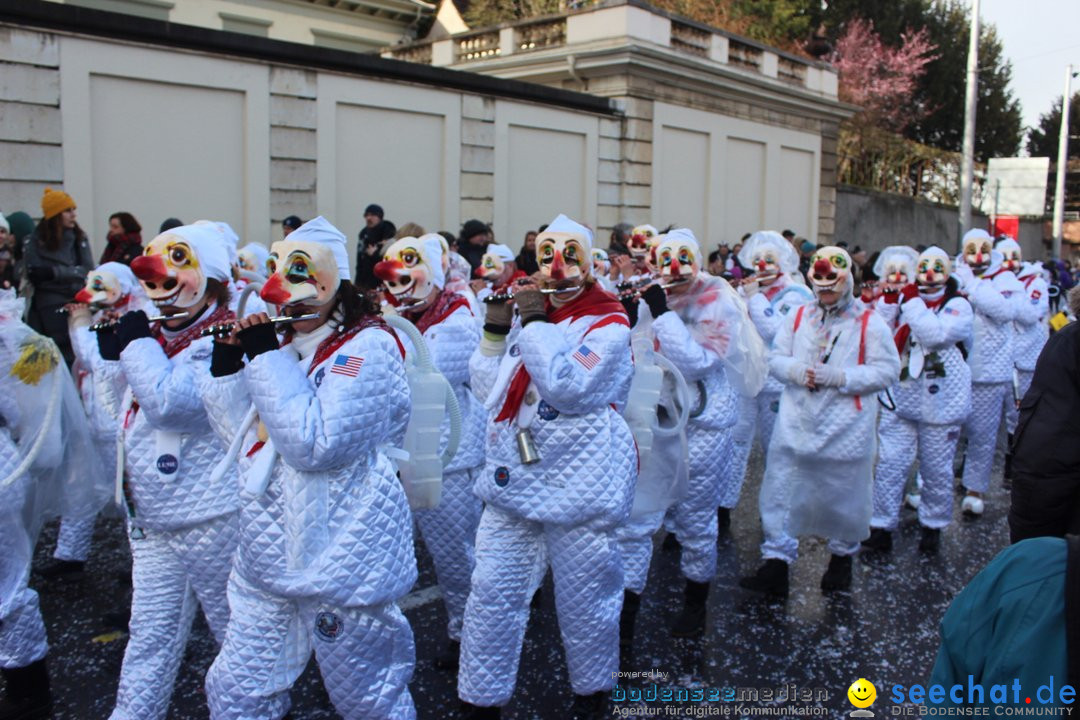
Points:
(912, 500)
(972, 506)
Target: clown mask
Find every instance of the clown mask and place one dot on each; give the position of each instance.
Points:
(494, 265)
(896, 266)
(1011, 255)
(170, 272)
(103, 289)
(301, 273)
(643, 239)
(830, 274)
(766, 266)
(976, 251)
(678, 260)
(411, 271)
(601, 264)
(933, 270)
(252, 260)
(564, 260)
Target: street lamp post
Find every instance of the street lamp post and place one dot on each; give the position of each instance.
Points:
(971, 100)
(1062, 164)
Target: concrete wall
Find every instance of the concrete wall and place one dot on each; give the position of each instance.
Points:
(876, 220)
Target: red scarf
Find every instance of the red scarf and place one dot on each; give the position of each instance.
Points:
(178, 343)
(594, 301)
(903, 333)
(518, 274)
(120, 246)
(444, 305)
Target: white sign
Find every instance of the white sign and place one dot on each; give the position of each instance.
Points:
(1015, 186)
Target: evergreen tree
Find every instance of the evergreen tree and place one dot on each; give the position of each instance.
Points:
(1043, 140)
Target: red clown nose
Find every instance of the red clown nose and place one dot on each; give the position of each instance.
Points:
(676, 268)
(389, 270)
(83, 296)
(149, 268)
(761, 265)
(274, 291)
(558, 267)
(822, 267)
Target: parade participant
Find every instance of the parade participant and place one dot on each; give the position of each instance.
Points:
(700, 324)
(252, 259)
(771, 293)
(110, 288)
(643, 240)
(833, 355)
(182, 521)
(559, 476)
(44, 449)
(326, 543)
(497, 270)
(412, 272)
(931, 400)
(995, 295)
(602, 268)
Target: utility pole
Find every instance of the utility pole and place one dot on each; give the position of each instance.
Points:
(1062, 164)
(971, 101)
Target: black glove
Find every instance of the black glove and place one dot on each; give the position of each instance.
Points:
(258, 339)
(630, 304)
(108, 344)
(133, 325)
(226, 359)
(41, 273)
(656, 299)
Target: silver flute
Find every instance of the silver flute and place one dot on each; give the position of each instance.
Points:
(108, 324)
(226, 328)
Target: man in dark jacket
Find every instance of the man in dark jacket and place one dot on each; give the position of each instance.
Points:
(375, 232)
(473, 241)
(1046, 454)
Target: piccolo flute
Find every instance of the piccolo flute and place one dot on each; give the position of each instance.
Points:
(98, 327)
(226, 328)
(507, 296)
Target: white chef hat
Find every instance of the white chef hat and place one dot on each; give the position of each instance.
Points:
(563, 224)
(322, 232)
(123, 275)
(433, 245)
(226, 234)
(502, 252)
(681, 236)
(213, 255)
(787, 255)
(897, 253)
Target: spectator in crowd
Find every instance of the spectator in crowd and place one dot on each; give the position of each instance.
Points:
(57, 258)
(21, 225)
(5, 232)
(1045, 454)
(409, 229)
(716, 264)
(620, 236)
(473, 241)
(8, 279)
(806, 250)
(789, 235)
(124, 239)
(170, 223)
(289, 224)
(526, 259)
(377, 230)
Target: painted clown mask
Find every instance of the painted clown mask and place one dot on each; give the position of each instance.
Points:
(933, 270)
(976, 253)
(301, 273)
(897, 267)
(601, 264)
(103, 289)
(766, 266)
(249, 261)
(409, 272)
(492, 267)
(643, 239)
(1010, 256)
(564, 259)
(170, 272)
(830, 274)
(678, 263)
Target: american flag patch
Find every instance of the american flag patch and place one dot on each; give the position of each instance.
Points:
(587, 357)
(951, 311)
(347, 365)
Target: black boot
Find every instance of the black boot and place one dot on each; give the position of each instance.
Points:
(28, 696)
(671, 543)
(630, 604)
(691, 620)
(1008, 478)
(723, 520)
(62, 569)
(450, 657)
(880, 540)
(771, 579)
(590, 707)
(838, 574)
(930, 542)
(478, 712)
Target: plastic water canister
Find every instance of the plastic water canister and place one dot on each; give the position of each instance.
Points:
(421, 474)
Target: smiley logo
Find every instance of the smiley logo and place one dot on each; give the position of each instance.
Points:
(862, 693)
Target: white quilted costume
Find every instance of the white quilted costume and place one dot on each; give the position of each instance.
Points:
(559, 383)
(326, 544)
(1031, 326)
(932, 398)
(183, 522)
(819, 476)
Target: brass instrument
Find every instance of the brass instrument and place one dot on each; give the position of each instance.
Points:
(109, 324)
(225, 328)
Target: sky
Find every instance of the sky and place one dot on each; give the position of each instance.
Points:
(1040, 37)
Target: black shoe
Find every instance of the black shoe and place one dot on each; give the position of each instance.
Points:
(671, 543)
(28, 696)
(930, 542)
(723, 520)
(469, 711)
(838, 574)
(450, 657)
(590, 707)
(630, 604)
(62, 569)
(880, 540)
(691, 620)
(771, 579)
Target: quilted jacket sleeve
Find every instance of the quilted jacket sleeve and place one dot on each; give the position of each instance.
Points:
(882, 366)
(566, 383)
(450, 343)
(988, 300)
(765, 319)
(1034, 304)
(227, 401)
(84, 344)
(692, 359)
(781, 357)
(935, 331)
(484, 366)
(326, 427)
(167, 390)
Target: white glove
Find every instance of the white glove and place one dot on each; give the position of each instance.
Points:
(964, 275)
(797, 373)
(751, 288)
(828, 376)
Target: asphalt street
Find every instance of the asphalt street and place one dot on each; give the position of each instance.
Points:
(885, 629)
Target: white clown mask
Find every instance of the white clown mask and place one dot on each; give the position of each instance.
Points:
(896, 266)
(769, 255)
(493, 263)
(643, 239)
(678, 258)
(976, 250)
(830, 270)
(300, 273)
(564, 253)
(252, 258)
(1011, 255)
(412, 269)
(933, 270)
(107, 285)
(601, 263)
(175, 266)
